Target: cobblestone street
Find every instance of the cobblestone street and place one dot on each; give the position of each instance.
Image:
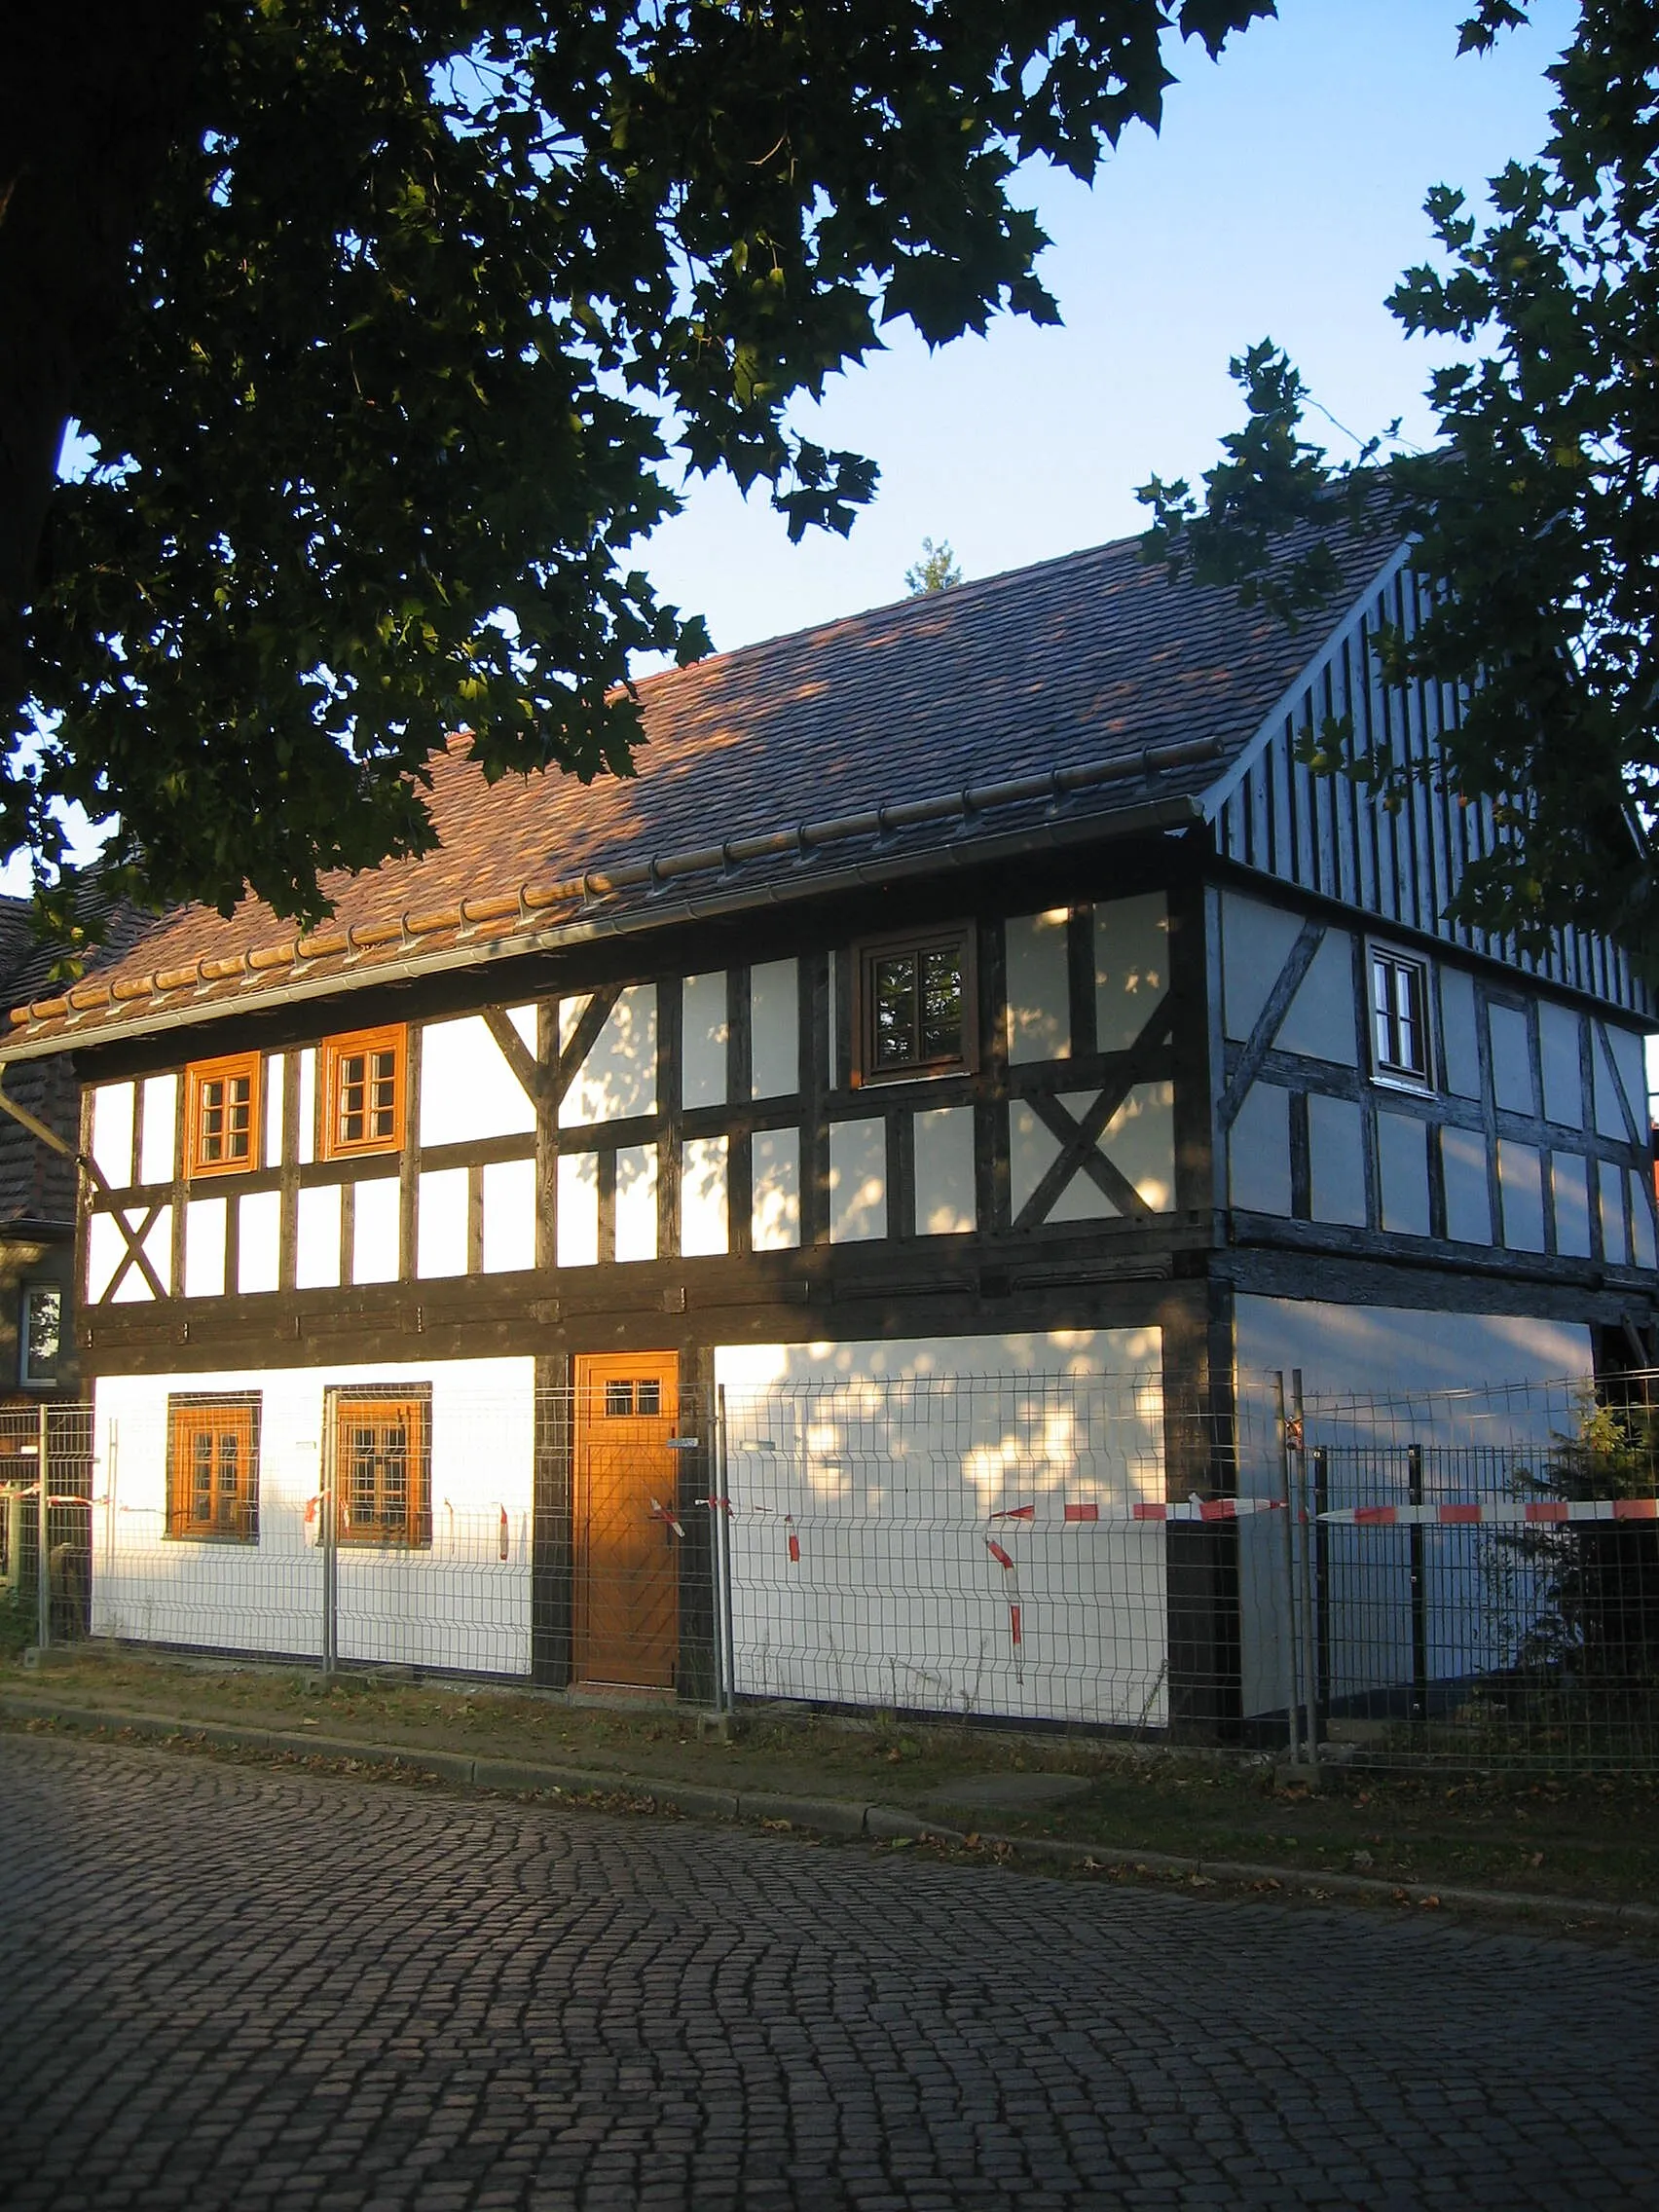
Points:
(230, 1986)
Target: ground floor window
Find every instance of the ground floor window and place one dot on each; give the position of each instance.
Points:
(213, 1468)
(382, 1465)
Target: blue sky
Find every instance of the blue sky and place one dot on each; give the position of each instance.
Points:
(1283, 198)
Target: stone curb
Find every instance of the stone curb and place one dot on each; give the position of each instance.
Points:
(825, 1816)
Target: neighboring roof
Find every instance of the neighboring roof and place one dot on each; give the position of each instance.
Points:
(1089, 686)
(36, 1183)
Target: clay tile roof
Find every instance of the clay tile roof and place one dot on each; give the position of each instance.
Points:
(1090, 677)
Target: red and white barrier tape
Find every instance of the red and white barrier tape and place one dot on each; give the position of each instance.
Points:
(1011, 1590)
(665, 1513)
(1531, 1513)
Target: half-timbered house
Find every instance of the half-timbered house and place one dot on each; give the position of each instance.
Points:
(975, 998)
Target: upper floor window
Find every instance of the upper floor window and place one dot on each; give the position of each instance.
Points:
(40, 1335)
(1399, 1014)
(915, 1010)
(213, 1468)
(363, 1092)
(221, 1114)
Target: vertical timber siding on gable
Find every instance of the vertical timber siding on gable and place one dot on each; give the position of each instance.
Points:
(1331, 837)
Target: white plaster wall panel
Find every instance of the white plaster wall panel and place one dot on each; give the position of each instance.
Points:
(440, 1223)
(703, 1193)
(1559, 1029)
(943, 1147)
(890, 1456)
(1039, 989)
(775, 1191)
(467, 1089)
(1321, 1021)
(1395, 1356)
(204, 1249)
(510, 1216)
(1402, 1167)
(112, 1132)
(157, 1249)
(1131, 967)
(1615, 1235)
(523, 1020)
(578, 1209)
(1461, 1071)
(259, 1227)
(158, 1153)
(274, 1076)
(376, 1229)
(617, 1081)
(774, 1029)
(1256, 942)
(1468, 1195)
(305, 1136)
(1642, 1221)
(1032, 1150)
(1511, 1060)
(1139, 1140)
(316, 1239)
(1336, 1160)
(637, 1202)
(1520, 1193)
(571, 1011)
(105, 1250)
(456, 1605)
(1604, 1088)
(1569, 1184)
(134, 1289)
(858, 1181)
(1258, 1151)
(703, 1038)
(1623, 1049)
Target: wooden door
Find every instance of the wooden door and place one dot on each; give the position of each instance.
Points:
(626, 1601)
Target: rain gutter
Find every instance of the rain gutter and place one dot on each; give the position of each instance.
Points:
(1175, 812)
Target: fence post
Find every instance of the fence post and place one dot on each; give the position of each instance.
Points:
(1419, 1595)
(1292, 1640)
(1297, 1442)
(727, 1702)
(1321, 1467)
(330, 1559)
(43, 1543)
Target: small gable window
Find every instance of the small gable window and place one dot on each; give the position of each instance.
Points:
(363, 1092)
(221, 1114)
(1399, 1015)
(915, 1006)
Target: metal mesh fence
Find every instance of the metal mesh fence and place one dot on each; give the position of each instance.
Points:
(46, 1547)
(1467, 1576)
(1476, 1575)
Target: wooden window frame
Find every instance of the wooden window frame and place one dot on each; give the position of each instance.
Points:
(1395, 1070)
(865, 953)
(330, 1144)
(414, 1533)
(194, 1412)
(196, 1076)
(38, 1286)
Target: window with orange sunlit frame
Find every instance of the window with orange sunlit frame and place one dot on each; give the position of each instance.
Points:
(363, 1093)
(222, 1114)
